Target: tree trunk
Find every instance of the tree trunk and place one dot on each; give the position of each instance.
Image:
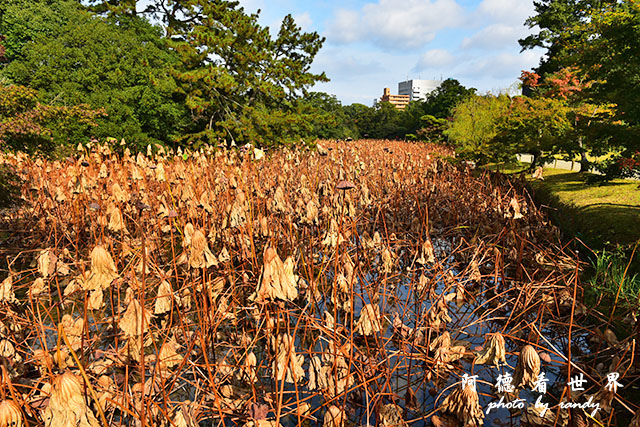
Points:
(584, 162)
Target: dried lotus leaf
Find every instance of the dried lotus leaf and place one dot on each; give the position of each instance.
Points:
(528, 368)
(135, 320)
(369, 321)
(6, 291)
(464, 404)
(67, 405)
(103, 270)
(287, 363)
(334, 417)
(163, 299)
(10, 414)
(277, 281)
(493, 351)
(390, 415)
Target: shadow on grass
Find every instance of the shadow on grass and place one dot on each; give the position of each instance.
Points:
(598, 224)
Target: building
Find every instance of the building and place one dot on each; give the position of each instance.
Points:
(417, 89)
(398, 101)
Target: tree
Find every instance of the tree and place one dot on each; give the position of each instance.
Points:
(360, 118)
(231, 67)
(475, 125)
(432, 129)
(539, 126)
(119, 65)
(27, 125)
(552, 18)
(327, 116)
(441, 102)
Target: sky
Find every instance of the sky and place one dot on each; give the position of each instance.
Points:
(371, 45)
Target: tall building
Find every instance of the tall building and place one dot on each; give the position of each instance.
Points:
(417, 89)
(398, 101)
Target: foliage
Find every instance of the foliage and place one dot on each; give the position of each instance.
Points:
(592, 62)
(612, 276)
(441, 102)
(361, 118)
(230, 67)
(432, 129)
(328, 118)
(121, 66)
(28, 125)
(537, 126)
(551, 19)
(607, 51)
(475, 126)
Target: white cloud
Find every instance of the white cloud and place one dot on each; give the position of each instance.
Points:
(496, 36)
(345, 64)
(398, 25)
(304, 21)
(513, 12)
(502, 65)
(435, 58)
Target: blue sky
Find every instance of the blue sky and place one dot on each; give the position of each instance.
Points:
(375, 44)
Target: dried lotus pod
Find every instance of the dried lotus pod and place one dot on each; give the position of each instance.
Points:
(10, 414)
(528, 368)
(334, 417)
(464, 404)
(493, 351)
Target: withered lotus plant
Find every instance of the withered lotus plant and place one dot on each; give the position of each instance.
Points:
(370, 321)
(287, 361)
(390, 415)
(200, 256)
(334, 417)
(116, 220)
(528, 367)
(103, 270)
(493, 351)
(6, 291)
(10, 414)
(163, 299)
(277, 280)
(135, 320)
(67, 405)
(464, 404)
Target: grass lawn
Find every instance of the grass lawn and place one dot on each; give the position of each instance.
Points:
(601, 214)
(605, 216)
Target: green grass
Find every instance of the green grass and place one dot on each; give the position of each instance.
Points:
(605, 216)
(612, 279)
(601, 214)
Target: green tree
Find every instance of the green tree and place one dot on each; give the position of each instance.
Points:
(326, 115)
(539, 126)
(387, 122)
(360, 118)
(475, 125)
(120, 65)
(552, 19)
(27, 125)
(441, 102)
(432, 129)
(230, 68)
